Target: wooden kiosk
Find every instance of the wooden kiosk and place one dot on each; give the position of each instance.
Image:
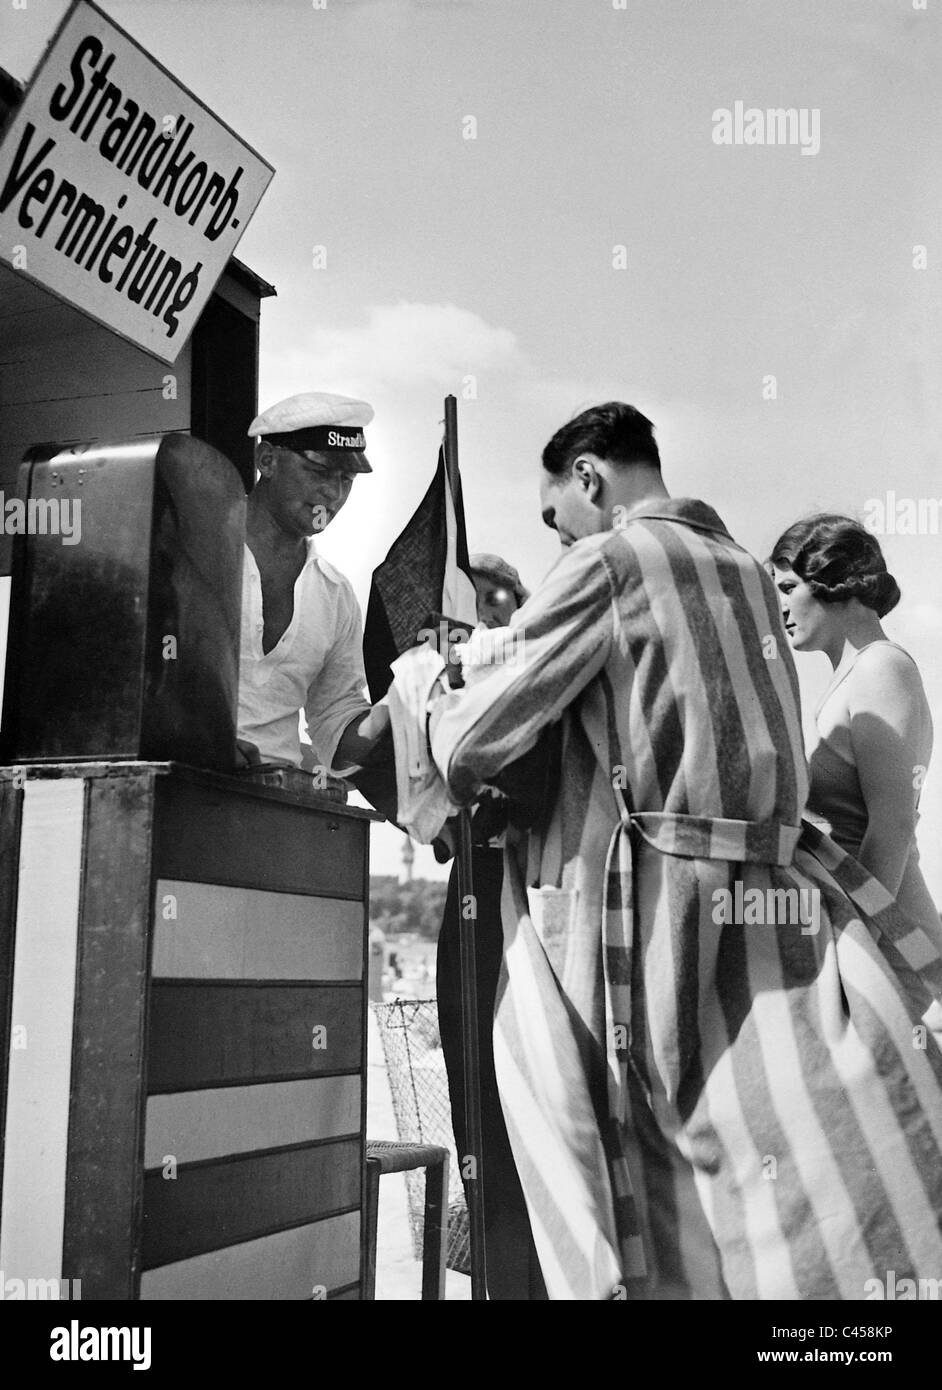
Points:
(182, 966)
(182, 952)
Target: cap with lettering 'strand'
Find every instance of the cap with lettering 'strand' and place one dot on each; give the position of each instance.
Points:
(318, 422)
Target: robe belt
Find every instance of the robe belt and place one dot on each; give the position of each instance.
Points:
(692, 837)
(708, 837)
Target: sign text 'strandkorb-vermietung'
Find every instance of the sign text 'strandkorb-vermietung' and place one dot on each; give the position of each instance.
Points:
(119, 190)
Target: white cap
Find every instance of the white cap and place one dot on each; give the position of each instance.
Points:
(310, 409)
(319, 422)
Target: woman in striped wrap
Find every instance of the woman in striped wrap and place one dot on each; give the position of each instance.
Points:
(708, 1037)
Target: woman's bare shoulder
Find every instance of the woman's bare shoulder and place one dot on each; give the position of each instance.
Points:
(885, 661)
(884, 676)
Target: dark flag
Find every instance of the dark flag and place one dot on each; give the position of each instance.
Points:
(426, 571)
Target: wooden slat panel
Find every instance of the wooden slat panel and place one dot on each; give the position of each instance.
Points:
(111, 368)
(204, 1035)
(292, 849)
(218, 1204)
(105, 1182)
(11, 808)
(52, 321)
(95, 417)
(39, 1074)
(6, 593)
(289, 1265)
(53, 359)
(248, 934)
(236, 1119)
(18, 294)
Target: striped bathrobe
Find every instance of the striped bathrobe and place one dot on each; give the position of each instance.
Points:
(708, 1037)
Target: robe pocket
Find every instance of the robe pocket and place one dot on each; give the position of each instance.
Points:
(553, 914)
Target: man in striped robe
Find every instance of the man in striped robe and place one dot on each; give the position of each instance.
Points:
(708, 1036)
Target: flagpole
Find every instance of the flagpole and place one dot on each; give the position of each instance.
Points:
(468, 971)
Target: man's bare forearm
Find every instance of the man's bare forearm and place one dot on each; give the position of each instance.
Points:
(363, 740)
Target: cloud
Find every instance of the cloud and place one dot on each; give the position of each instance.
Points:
(404, 358)
(432, 349)
(402, 345)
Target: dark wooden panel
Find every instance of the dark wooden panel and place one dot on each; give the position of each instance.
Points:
(212, 1205)
(106, 1115)
(102, 371)
(225, 1034)
(48, 322)
(38, 334)
(11, 815)
(225, 383)
(99, 416)
(201, 835)
(17, 294)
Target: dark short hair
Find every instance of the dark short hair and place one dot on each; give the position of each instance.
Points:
(614, 431)
(838, 559)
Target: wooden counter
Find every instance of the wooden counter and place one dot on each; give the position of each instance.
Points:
(183, 1016)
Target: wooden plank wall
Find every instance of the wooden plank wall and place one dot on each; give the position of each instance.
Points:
(254, 1130)
(213, 1149)
(66, 379)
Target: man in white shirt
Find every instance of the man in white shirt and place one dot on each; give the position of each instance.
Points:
(301, 629)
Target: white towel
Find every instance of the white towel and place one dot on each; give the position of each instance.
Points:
(423, 802)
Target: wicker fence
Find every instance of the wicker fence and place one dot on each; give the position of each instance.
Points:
(419, 1085)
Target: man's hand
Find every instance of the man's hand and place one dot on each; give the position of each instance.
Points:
(445, 634)
(247, 755)
(375, 724)
(361, 739)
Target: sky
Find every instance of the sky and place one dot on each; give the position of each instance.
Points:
(524, 204)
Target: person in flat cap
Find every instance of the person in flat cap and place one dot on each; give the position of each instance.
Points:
(513, 1269)
(499, 589)
(301, 627)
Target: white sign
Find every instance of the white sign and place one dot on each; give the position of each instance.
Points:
(119, 190)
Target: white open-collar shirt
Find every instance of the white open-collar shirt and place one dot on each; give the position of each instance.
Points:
(316, 666)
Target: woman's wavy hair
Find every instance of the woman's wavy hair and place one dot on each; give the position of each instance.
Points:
(838, 559)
